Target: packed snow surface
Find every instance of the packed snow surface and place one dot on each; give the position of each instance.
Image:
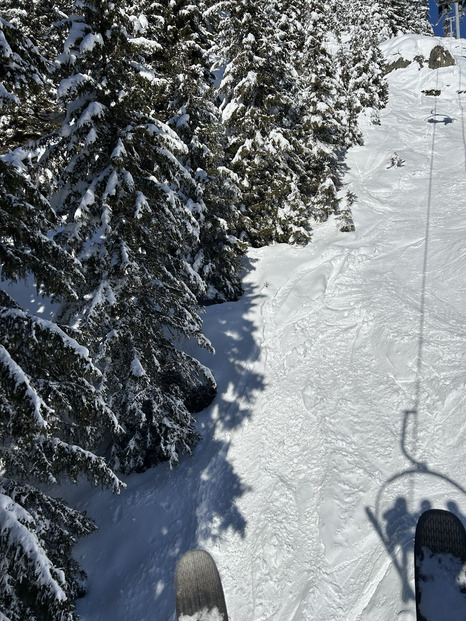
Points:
(341, 409)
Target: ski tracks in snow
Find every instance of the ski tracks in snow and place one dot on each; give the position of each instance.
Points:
(340, 412)
(362, 355)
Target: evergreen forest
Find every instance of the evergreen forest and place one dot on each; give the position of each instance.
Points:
(144, 146)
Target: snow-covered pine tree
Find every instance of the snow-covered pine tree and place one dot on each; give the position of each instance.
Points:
(258, 90)
(190, 110)
(51, 414)
(39, 579)
(420, 17)
(38, 21)
(129, 212)
(325, 118)
(24, 84)
(390, 18)
(406, 16)
(30, 35)
(363, 66)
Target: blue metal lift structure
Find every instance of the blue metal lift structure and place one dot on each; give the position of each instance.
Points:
(453, 13)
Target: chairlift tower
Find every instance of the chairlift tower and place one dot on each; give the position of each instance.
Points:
(453, 13)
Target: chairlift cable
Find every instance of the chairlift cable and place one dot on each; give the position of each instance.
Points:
(422, 304)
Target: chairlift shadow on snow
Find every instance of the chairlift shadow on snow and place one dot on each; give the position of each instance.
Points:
(394, 516)
(440, 118)
(396, 525)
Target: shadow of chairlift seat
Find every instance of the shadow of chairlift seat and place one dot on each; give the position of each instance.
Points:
(440, 118)
(387, 524)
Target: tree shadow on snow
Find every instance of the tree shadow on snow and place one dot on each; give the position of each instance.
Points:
(395, 521)
(207, 477)
(165, 513)
(231, 329)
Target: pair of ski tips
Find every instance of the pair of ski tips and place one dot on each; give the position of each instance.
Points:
(440, 577)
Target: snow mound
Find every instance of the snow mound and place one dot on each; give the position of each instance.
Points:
(409, 47)
(433, 66)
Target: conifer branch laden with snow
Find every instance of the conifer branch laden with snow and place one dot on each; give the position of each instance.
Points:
(37, 533)
(144, 145)
(52, 415)
(48, 402)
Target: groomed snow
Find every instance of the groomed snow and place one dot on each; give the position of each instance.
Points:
(341, 408)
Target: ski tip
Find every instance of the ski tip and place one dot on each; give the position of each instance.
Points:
(442, 532)
(198, 588)
(440, 555)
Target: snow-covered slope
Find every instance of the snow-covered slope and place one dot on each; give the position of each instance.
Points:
(341, 409)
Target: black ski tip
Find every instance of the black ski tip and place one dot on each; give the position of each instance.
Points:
(442, 532)
(198, 587)
(438, 588)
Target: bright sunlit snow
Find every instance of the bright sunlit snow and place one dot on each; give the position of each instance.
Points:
(341, 407)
